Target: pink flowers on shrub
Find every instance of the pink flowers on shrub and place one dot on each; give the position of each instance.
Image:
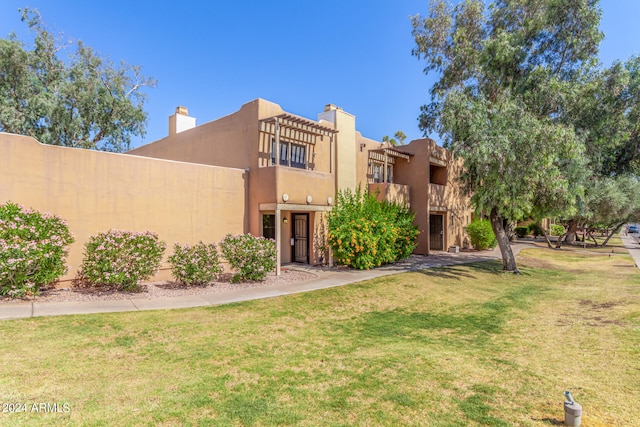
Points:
(195, 265)
(252, 257)
(33, 249)
(121, 258)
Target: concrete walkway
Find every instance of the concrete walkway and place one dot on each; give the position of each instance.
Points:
(325, 278)
(630, 242)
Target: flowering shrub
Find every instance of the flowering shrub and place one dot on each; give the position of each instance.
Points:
(366, 233)
(33, 248)
(252, 257)
(195, 265)
(121, 258)
(481, 234)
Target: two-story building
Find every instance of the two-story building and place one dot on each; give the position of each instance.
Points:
(295, 166)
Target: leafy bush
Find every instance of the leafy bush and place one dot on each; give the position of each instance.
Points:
(252, 257)
(121, 258)
(365, 233)
(535, 230)
(556, 230)
(481, 234)
(522, 231)
(33, 249)
(195, 265)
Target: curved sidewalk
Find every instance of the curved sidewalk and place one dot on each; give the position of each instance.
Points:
(326, 278)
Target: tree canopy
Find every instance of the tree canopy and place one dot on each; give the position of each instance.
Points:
(507, 74)
(81, 100)
(605, 111)
(398, 138)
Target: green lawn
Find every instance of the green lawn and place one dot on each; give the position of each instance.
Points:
(456, 346)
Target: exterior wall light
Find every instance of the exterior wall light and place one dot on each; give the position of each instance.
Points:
(285, 220)
(329, 200)
(285, 197)
(309, 199)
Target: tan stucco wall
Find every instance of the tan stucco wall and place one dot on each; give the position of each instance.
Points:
(391, 192)
(229, 141)
(345, 124)
(95, 191)
(363, 145)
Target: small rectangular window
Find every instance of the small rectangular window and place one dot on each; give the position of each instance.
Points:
(377, 176)
(298, 156)
(269, 226)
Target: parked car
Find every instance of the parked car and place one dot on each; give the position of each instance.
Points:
(633, 229)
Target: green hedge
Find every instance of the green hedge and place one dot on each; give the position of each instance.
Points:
(535, 230)
(556, 230)
(522, 231)
(481, 234)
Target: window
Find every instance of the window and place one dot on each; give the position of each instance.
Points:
(378, 173)
(298, 154)
(269, 226)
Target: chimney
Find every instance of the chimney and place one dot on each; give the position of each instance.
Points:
(331, 107)
(329, 113)
(181, 121)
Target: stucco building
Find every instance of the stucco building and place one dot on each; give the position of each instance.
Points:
(260, 170)
(294, 167)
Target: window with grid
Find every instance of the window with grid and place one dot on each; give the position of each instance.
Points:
(298, 154)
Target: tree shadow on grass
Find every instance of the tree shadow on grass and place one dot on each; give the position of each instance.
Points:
(457, 272)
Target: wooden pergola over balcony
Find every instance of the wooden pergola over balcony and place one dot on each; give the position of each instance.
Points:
(388, 156)
(296, 129)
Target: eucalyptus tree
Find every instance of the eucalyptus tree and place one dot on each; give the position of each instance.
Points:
(506, 73)
(614, 202)
(606, 112)
(80, 100)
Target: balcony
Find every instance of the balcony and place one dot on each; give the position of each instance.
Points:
(390, 192)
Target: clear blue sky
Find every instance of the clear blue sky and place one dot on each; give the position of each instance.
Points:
(214, 56)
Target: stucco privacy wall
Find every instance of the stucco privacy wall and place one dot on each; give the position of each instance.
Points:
(95, 191)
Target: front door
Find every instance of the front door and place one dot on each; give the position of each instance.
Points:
(301, 238)
(436, 232)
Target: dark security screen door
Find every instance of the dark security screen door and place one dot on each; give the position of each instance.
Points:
(301, 237)
(436, 232)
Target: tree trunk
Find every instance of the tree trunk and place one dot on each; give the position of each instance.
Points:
(592, 237)
(544, 233)
(560, 240)
(508, 259)
(613, 231)
(571, 231)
